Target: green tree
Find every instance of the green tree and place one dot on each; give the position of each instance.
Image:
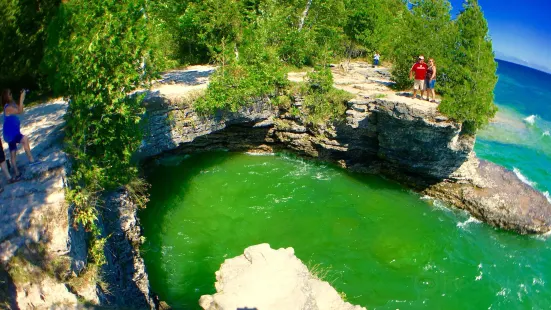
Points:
(372, 23)
(425, 30)
(97, 53)
(22, 39)
(164, 33)
(471, 78)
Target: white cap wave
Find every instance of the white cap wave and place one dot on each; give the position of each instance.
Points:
(530, 119)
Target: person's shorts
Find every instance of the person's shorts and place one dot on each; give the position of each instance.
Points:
(429, 84)
(419, 85)
(13, 143)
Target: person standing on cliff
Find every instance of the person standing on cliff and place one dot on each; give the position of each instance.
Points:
(430, 80)
(420, 70)
(376, 59)
(12, 128)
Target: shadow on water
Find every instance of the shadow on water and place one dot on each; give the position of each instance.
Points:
(182, 169)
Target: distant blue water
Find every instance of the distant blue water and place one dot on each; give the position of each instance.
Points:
(519, 138)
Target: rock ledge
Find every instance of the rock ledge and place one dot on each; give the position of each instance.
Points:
(264, 278)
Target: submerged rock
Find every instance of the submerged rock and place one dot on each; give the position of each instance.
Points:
(264, 278)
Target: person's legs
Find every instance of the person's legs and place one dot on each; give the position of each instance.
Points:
(13, 154)
(27, 147)
(419, 84)
(432, 84)
(427, 89)
(14, 162)
(3, 163)
(416, 86)
(4, 167)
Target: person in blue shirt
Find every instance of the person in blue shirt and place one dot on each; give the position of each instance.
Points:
(12, 128)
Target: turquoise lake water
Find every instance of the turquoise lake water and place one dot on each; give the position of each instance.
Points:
(382, 245)
(520, 137)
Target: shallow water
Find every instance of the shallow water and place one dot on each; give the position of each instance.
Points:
(383, 246)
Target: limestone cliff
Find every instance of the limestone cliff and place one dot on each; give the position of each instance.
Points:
(264, 278)
(382, 132)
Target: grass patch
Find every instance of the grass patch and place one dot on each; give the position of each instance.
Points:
(90, 276)
(189, 99)
(318, 272)
(32, 263)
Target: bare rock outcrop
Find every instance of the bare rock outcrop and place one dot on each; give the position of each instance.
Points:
(125, 272)
(264, 278)
(499, 198)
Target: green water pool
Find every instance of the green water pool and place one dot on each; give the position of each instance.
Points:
(382, 245)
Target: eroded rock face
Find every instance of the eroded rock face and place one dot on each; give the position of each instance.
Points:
(125, 271)
(264, 278)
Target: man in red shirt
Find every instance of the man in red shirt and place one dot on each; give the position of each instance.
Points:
(420, 69)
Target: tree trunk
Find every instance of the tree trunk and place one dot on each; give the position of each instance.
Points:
(304, 14)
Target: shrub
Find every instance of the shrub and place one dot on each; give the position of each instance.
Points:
(257, 74)
(323, 102)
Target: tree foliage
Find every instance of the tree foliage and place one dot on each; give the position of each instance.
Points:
(471, 76)
(22, 37)
(97, 53)
(372, 24)
(426, 30)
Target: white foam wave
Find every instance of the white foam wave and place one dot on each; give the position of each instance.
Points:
(546, 133)
(503, 292)
(439, 205)
(546, 194)
(322, 177)
(260, 153)
(467, 222)
(524, 179)
(530, 119)
(538, 281)
(543, 237)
